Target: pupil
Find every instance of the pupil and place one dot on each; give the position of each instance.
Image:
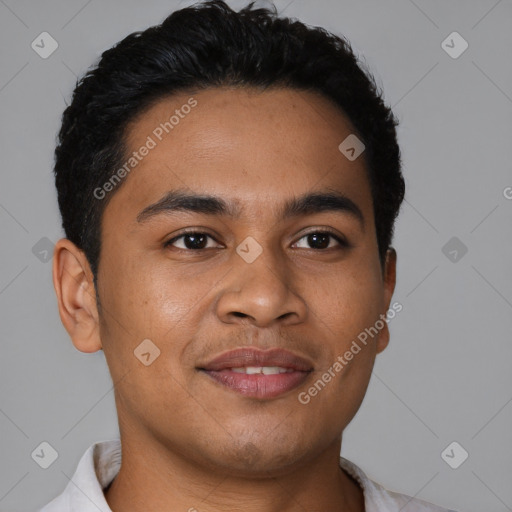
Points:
(314, 237)
(197, 241)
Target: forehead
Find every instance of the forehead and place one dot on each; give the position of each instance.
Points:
(255, 147)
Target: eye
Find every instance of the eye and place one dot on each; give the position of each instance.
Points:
(198, 240)
(322, 239)
(192, 240)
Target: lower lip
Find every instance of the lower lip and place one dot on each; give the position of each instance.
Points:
(258, 385)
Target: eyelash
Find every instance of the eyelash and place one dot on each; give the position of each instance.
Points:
(342, 243)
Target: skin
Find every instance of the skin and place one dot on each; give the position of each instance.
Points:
(189, 442)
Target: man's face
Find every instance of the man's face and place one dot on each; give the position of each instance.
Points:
(199, 296)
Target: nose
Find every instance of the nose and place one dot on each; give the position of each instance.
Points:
(261, 293)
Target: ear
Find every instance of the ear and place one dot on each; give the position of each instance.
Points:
(389, 287)
(74, 286)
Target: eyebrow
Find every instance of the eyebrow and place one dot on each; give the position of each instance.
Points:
(307, 204)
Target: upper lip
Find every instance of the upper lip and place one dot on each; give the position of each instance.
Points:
(250, 356)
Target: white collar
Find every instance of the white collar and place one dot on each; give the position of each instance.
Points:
(102, 460)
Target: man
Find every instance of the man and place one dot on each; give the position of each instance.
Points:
(228, 184)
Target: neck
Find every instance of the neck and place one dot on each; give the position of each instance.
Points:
(152, 477)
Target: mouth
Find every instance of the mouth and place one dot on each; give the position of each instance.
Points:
(258, 385)
(258, 374)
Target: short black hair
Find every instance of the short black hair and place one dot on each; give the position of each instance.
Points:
(203, 46)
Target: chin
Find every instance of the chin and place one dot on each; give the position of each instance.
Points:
(260, 458)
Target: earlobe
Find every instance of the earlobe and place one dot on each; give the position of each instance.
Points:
(74, 286)
(383, 340)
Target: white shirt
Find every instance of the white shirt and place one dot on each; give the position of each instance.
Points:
(102, 461)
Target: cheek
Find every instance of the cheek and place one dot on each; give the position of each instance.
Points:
(147, 301)
(345, 313)
(145, 312)
(351, 301)
(130, 288)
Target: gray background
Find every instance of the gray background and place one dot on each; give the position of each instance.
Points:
(446, 374)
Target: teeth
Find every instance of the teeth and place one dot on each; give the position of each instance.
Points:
(265, 370)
